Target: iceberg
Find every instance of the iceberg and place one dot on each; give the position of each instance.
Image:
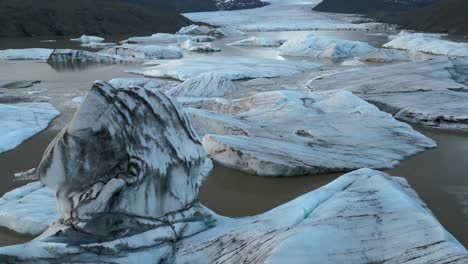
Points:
(258, 42)
(431, 93)
(204, 85)
(147, 83)
(88, 39)
(104, 213)
(428, 44)
(289, 133)
(311, 45)
(169, 38)
(22, 121)
(234, 68)
(26, 54)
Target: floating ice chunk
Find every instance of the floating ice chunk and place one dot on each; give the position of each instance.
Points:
(26, 54)
(287, 133)
(333, 224)
(199, 47)
(169, 38)
(70, 55)
(29, 209)
(234, 68)
(88, 39)
(258, 42)
(430, 92)
(204, 85)
(311, 45)
(428, 44)
(145, 52)
(22, 121)
(98, 45)
(17, 84)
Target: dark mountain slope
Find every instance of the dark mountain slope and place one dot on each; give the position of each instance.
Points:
(73, 17)
(186, 6)
(447, 16)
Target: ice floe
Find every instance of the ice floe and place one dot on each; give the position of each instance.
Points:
(390, 55)
(94, 45)
(17, 84)
(232, 67)
(204, 85)
(169, 38)
(258, 42)
(88, 39)
(22, 121)
(71, 55)
(288, 133)
(26, 54)
(432, 92)
(29, 209)
(199, 46)
(428, 44)
(334, 224)
(311, 45)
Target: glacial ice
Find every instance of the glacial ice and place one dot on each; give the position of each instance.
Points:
(234, 68)
(431, 93)
(158, 161)
(26, 54)
(199, 46)
(334, 224)
(147, 83)
(289, 133)
(169, 38)
(258, 42)
(22, 121)
(29, 209)
(88, 39)
(427, 44)
(204, 85)
(311, 45)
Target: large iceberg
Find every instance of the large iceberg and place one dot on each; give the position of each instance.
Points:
(428, 44)
(432, 92)
(71, 55)
(288, 133)
(141, 205)
(311, 45)
(234, 68)
(22, 121)
(26, 54)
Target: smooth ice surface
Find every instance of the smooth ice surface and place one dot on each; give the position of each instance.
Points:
(288, 133)
(432, 92)
(281, 15)
(311, 45)
(26, 54)
(29, 209)
(22, 121)
(232, 67)
(428, 44)
(363, 216)
(258, 42)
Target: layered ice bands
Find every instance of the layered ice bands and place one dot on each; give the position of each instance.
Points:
(22, 121)
(234, 68)
(289, 133)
